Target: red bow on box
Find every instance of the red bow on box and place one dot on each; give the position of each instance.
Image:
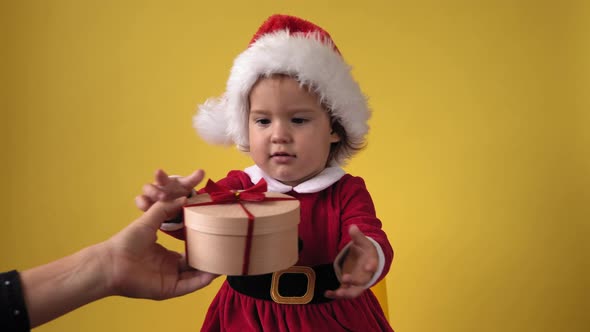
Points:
(223, 195)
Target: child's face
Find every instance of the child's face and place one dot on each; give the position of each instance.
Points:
(290, 132)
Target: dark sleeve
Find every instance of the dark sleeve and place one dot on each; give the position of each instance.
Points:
(13, 312)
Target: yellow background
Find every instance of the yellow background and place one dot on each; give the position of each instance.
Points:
(478, 156)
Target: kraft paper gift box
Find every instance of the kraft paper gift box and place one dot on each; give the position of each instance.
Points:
(241, 233)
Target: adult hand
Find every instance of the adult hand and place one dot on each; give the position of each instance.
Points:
(130, 264)
(140, 267)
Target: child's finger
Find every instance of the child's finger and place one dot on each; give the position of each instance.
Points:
(161, 178)
(358, 237)
(169, 193)
(344, 293)
(371, 265)
(346, 280)
(357, 278)
(151, 191)
(143, 202)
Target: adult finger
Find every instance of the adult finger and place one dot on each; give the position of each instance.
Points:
(192, 180)
(183, 264)
(191, 281)
(160, 212)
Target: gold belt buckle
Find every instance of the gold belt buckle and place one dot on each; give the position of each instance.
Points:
(306, 298)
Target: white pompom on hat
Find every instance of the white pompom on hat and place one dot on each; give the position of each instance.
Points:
(295, 47)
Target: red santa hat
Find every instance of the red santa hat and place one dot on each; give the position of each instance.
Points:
(297, 48)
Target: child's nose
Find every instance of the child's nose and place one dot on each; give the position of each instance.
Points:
(281, 133)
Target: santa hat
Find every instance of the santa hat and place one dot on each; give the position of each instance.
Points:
(297, 48)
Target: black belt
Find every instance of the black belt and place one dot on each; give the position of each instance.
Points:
(296, 285)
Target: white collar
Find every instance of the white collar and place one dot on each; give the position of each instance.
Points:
(318, 183)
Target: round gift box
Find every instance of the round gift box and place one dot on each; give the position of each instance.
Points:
(216, 235)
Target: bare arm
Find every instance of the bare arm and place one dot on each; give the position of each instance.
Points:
(54, 289)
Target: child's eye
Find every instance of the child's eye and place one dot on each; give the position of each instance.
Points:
(299, 120)
(262, 121)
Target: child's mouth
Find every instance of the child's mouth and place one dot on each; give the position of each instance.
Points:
(282, 156)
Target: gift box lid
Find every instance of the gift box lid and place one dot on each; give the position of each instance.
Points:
(231, 219)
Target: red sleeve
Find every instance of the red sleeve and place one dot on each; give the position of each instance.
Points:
(357, 208)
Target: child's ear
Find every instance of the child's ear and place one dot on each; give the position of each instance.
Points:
(334, 137)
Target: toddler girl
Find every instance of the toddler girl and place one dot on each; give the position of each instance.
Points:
(293, 106)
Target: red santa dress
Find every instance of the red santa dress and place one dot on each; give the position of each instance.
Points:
(326, 215)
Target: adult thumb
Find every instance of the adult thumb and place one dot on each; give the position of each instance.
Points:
(192, 180)
(162, 211)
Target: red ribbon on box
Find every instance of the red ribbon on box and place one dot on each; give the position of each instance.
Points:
(223, 195)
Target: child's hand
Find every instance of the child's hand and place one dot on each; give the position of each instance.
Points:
(358, 267)
(167, 188)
